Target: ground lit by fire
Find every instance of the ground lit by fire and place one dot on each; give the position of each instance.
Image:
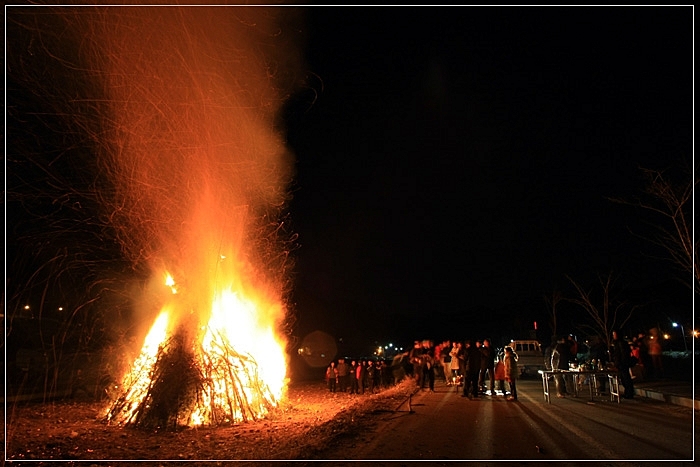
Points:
(306, 423)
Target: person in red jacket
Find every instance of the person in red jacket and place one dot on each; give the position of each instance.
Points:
(499, 374)
(510, 362)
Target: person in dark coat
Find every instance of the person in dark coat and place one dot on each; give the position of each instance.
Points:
(472, 370)
(428, 370)
(343, 375)
(354, 387)
(372, 377)
(621, 354)
(417, 363)
(446, 360)
(573, 347)
(488, 363)
(598, 353)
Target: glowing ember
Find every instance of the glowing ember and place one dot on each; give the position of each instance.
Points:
(170, 282)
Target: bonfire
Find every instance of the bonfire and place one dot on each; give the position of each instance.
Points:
(200, 175)
(232, 369)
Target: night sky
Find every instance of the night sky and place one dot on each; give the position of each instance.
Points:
(455, 164)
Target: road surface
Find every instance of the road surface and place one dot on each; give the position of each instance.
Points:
(442, 425)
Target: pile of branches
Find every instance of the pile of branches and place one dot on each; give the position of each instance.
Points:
(179, 380)
(175, 383)
(222, 364)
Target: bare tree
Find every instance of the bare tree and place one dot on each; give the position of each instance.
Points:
(671, 201)
(605, 311)
(552, 301)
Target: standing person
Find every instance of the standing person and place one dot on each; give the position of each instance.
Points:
(400, 367)
(428, 370)
(437, 358)
(500, 375)
(371, 376)
(548, 353)
(384, 374)
(482, 366)
(573, 347)
(377, 376)
(635, 359)
(455, 362)
(462, 357)
(560, 361)
(446, 360)
(331, 376)
(354, 387)
(598, 353)
(416, 362)
(361, 373)
(644, 358)
(343, 373)
(510, 363)
(490, 353)
(655, 353)
(472, 370)
(621, 354)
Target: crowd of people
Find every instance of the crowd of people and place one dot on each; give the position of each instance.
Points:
(638, 358)
(360, 376)
(466, 364)
(470, 364)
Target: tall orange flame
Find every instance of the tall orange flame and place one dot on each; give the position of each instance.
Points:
(201, 174)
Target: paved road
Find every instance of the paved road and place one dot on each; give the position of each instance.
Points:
(445, 426)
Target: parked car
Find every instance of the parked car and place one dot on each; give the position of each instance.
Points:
(530, 356)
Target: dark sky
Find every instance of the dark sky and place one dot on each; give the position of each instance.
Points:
(457, 161)
(453, 165)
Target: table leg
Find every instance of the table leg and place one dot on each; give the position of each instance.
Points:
(614, 382)
(545, 387)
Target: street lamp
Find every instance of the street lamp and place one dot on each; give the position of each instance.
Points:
(675, 325)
